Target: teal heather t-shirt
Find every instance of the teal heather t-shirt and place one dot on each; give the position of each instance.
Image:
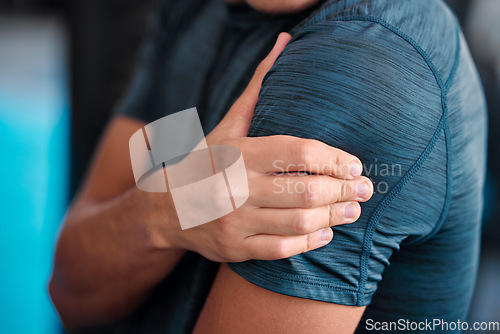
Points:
(390, 81)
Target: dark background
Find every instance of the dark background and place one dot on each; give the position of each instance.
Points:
(104, 41)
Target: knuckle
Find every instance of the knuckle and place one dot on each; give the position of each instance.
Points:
(340, 164)
(345, 190)
(280, 250)
(309, 244)
(305, 152)
(310, 197)
(333, 215)
(303, 222)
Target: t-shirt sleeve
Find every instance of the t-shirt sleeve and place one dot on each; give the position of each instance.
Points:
(362, 88)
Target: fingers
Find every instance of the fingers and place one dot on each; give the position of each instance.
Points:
(311, 191)
(274, 247)
(303, 221)
(289, 154)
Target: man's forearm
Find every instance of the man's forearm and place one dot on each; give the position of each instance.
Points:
(109, 256)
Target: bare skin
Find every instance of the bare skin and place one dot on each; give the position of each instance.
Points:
(238, 306)
(117, 242)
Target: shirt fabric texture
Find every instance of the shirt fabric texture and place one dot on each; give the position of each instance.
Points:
(390, 81)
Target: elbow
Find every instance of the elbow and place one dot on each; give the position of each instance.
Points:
(64, 288)
(80, 311)
(69, 309)
(68, 304)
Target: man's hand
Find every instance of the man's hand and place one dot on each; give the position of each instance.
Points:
(299, 188)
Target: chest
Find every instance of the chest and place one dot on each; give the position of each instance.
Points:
(211, 64)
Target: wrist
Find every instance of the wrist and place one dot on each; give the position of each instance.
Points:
(155, 212)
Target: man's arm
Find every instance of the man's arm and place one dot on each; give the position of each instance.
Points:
(109, 255)
(342, 83)
(238, 306)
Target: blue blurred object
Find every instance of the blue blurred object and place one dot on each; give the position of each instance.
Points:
(34, 158)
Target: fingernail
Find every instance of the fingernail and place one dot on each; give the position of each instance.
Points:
(326, 234)
(350, 211)
(362, 190)
(355, 169)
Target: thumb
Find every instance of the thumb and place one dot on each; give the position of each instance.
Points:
(239, 117)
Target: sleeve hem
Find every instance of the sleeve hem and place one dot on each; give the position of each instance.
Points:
(299, 286)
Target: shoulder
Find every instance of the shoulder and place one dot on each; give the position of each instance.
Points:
(358, 69)
(425, 27)
(388, 57)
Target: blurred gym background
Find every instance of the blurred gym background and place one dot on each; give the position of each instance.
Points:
(63, 66)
